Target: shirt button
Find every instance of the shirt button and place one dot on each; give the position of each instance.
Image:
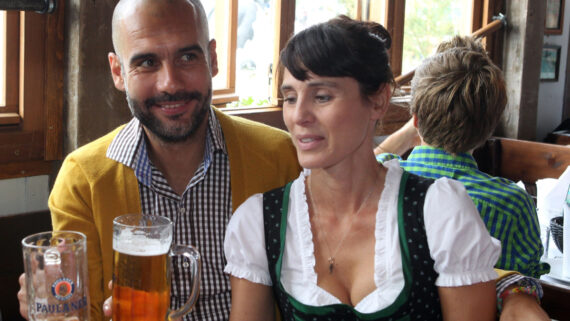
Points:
(182, 210)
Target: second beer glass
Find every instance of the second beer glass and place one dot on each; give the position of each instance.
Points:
(142, 246)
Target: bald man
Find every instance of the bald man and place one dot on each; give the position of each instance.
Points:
(178, 157)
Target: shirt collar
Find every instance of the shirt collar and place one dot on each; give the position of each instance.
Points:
(437, 156)
(130, 149)
(125, 145)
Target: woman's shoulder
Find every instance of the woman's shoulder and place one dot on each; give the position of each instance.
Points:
(252, 205)
(450, 215)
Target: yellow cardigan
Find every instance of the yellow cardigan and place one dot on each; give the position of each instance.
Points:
(91, 189)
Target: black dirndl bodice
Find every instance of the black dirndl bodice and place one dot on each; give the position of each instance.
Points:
(419, 299)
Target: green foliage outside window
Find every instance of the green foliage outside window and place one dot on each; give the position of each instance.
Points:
(427, 23)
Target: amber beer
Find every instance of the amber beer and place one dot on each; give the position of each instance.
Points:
(142, 251)
(141, 289)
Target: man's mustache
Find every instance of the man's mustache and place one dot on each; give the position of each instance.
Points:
(179, 96)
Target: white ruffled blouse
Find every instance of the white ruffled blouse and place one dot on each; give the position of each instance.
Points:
(461, 247)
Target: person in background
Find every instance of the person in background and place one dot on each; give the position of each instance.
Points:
(350, 237)
(178, 157)
(458, 97)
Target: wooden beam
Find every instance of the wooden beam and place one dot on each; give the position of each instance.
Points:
(54, 84)
(395, 15)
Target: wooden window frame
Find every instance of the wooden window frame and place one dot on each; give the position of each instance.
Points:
(271, 115)
(32, 140)
(395, 18)
(9, 113)
(226, 42)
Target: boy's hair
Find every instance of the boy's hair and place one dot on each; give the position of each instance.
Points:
(466, 42)
(458, 96)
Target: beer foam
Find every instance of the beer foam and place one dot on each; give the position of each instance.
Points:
(140, 245)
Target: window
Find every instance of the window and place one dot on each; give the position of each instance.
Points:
(9, 80)
(2, 59)
(222, 20)
(31, 86)
(248, 26)
(429, 22)
(251, 33)
(310, 12)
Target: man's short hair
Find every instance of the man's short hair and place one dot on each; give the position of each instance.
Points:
(458, 96)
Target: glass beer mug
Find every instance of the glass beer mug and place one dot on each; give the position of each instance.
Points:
(55, 264)
(142, 250)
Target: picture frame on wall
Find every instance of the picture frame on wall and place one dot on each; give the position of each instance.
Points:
(554, 17)
(550, 63)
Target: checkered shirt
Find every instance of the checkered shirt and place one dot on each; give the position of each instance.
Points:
(200, 215)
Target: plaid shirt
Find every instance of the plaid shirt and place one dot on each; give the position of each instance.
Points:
(200, 215)
(507, 210)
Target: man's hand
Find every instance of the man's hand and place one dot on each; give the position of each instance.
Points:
(22, 296)
(521, 307)
(108, 304)
(107, 307)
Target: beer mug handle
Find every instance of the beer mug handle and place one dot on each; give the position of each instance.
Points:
(196, 267)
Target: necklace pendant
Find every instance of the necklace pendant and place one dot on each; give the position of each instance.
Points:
(331, 265)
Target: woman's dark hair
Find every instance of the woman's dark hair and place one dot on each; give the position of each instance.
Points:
(341, 47)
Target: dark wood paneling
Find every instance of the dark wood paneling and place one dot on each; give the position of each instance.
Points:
(13, 229)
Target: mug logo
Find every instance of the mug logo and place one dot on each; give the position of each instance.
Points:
(62, 289)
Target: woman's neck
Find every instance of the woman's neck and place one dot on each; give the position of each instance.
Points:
(343, 191)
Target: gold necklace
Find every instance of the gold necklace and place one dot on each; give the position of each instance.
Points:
(331, 259)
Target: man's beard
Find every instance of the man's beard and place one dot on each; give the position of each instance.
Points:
(171, 134)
